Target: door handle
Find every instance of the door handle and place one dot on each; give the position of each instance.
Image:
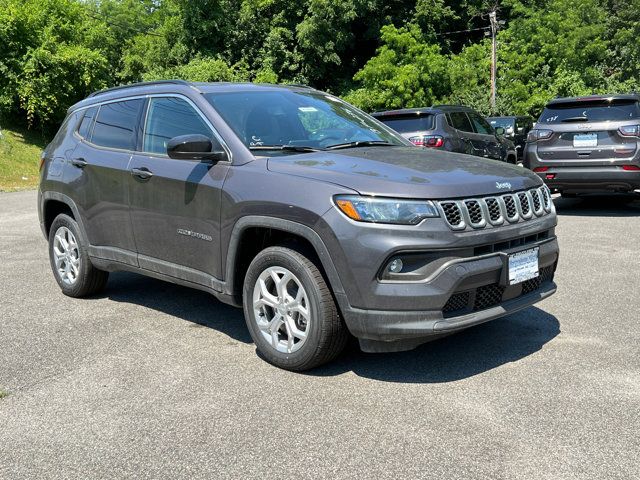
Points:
(143, 173)
(79, 162)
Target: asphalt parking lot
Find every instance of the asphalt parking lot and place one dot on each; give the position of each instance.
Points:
(152, 380)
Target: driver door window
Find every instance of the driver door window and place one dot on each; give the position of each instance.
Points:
(170, 117)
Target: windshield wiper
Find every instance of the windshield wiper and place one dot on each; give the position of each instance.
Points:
(580, 118)
(362, 143)
(286, 148)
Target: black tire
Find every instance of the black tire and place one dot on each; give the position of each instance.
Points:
(89, 279)
(327, 334)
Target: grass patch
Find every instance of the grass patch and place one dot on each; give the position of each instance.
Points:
(3, 394)
(19, 158)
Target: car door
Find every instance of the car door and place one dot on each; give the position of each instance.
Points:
(99, 177)
(464, 132)
(484, 137)
(175, 204)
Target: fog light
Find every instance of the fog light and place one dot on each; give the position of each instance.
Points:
(395, 266)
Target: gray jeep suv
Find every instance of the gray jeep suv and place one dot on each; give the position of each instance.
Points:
(587, 144)
(316, 218)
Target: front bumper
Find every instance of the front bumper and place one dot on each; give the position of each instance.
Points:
(591, 179)
(385, 331)
(451, 291)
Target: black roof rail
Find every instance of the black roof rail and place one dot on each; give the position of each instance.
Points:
(449, 105)
(141, 84)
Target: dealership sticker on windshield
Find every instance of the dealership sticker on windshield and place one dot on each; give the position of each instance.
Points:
(523, 266)
(308, 109)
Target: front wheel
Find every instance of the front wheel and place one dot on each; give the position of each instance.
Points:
(290, 311)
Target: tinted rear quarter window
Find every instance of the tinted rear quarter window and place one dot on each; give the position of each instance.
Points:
(459, 121)
(407, 124)
(84, 129)
(591, 111)
(116, 123)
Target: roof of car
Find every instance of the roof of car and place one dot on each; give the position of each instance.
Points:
(178, 86)
(508, 117)
(422, 111)
(592, 98)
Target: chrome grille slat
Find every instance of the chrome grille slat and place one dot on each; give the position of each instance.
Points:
(477, 213)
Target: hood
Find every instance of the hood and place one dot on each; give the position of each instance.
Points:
(407, 172)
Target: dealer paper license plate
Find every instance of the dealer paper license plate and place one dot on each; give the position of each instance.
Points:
(523, 266)
(585, 140)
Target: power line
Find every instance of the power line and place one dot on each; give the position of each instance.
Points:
(111, 23)
(463, 31)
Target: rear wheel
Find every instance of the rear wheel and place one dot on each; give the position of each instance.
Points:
(290, 311)
(69, 259)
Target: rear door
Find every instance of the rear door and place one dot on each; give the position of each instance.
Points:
(585, 132)
(99, 176)
(464, 131)
(484, 137)
(175, 204)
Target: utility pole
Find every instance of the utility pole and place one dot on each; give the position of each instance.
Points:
(494, 29)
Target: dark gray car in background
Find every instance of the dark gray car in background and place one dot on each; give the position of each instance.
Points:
(587, 144)
(515, 128)
(316, 218)
(453, 128)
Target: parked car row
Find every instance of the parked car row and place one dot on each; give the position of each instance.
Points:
(453, 128)
(578, 145)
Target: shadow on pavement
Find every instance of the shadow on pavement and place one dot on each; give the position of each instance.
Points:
(200, 308)
(599, 206)
(458, 356)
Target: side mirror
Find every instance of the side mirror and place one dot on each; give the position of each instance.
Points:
(499, 131)
(194, 147)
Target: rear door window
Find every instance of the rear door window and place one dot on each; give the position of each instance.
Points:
(406, 124)
(116, 124)
(480, 125)
(591, 111)
(459, 121)
(170, 117)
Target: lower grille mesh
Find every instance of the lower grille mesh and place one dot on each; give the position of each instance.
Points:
(489, 296)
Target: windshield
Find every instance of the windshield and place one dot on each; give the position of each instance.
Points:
(506, 123)
(264, 118)
(409, 124)
(593, 111)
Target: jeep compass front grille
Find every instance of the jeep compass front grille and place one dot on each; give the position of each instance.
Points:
(496, 210)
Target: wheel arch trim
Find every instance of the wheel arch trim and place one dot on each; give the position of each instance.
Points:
(288, 226)
(62, 198)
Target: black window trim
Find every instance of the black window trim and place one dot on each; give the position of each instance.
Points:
(99, 105)
(143, 117)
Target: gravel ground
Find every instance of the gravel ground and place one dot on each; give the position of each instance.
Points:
(152, 380)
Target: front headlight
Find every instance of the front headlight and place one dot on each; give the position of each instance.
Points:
(385, 210)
